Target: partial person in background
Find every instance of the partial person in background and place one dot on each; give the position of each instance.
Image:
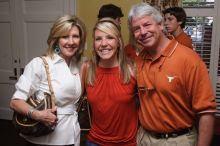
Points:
(111, 87)
(175, 19)
(132, 49)
(174, 87)
(66, 43)
(110, 10)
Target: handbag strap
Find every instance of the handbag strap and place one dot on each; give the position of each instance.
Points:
(52, 96)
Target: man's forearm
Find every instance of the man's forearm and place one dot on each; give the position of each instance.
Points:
(206, 129)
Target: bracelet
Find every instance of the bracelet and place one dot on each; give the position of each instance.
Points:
(29, 112)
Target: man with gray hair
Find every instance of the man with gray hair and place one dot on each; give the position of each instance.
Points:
(173, 84)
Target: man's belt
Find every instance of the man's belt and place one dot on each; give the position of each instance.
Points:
(171, 134)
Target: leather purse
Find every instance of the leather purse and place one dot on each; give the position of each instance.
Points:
(84, 114)
(27, 126)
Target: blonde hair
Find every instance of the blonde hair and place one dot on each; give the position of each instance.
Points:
(111, 27)
(61, 27)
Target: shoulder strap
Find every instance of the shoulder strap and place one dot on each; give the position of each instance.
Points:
(49, 81)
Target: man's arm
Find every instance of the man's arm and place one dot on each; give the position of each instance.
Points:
(206, 129)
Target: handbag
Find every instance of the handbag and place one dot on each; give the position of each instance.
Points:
(84, 114)
(27, 126)
(83, 110)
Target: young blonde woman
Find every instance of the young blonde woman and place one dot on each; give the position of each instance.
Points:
(110, 87)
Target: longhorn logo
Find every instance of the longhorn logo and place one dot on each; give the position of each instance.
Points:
(170, 78)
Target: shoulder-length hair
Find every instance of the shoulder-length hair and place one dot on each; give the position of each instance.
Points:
(60, 28)
(111, 27)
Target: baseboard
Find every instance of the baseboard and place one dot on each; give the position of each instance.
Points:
(6, 113)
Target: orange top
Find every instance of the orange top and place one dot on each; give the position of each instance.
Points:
(129, 50)
(114, 111)
(184, 39)
(173, 89)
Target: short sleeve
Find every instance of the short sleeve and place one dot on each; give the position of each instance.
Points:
(202, 92)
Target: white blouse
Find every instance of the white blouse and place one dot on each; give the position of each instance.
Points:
(66, 84)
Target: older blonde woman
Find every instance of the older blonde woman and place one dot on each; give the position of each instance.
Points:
(65, 46)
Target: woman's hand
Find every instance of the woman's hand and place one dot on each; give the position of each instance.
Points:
(47, 117)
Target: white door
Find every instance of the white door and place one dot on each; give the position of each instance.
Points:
(24, 28)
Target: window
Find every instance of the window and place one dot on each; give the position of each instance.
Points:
(200, 30)
(218, 85)
(198, 3)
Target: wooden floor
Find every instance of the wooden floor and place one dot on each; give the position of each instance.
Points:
(9, 137)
